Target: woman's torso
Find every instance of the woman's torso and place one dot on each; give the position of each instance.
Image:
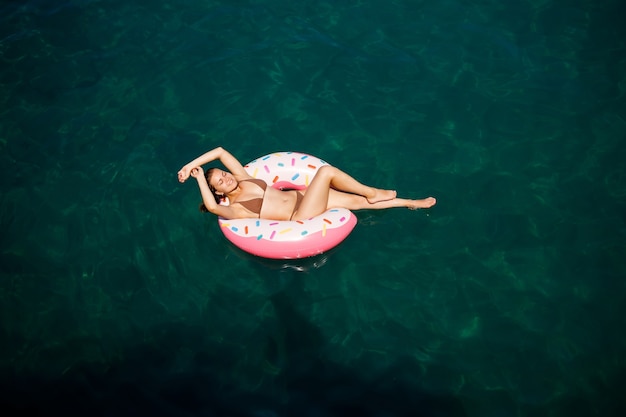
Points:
(276, 204)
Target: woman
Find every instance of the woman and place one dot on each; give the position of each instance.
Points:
(253, 198)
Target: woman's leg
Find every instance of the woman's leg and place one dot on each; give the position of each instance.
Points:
(356, 202)
(316, 197)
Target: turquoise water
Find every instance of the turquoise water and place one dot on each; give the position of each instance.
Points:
(506, 299)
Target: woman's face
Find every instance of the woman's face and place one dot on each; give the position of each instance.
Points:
(223, 181)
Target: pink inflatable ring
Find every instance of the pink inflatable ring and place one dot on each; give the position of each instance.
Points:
(288, 239)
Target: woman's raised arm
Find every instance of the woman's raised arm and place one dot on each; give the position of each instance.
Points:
(230, 162)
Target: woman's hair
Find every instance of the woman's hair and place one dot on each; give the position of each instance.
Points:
(218, 198)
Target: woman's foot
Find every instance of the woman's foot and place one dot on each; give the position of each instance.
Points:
(381, 195)
(421, 204)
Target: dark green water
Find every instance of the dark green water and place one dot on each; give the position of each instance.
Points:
(506, 299)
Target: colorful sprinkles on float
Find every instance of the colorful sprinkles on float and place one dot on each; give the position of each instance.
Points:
(290, 239)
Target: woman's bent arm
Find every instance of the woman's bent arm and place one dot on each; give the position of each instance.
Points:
(229, 161)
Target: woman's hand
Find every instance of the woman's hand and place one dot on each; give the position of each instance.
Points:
(196, 172)
(183, 174)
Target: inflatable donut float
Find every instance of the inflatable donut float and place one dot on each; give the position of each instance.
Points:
(288, 239)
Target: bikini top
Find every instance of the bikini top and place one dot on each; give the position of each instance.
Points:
(255, 204)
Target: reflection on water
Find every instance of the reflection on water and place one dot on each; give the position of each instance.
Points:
(296, 265)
